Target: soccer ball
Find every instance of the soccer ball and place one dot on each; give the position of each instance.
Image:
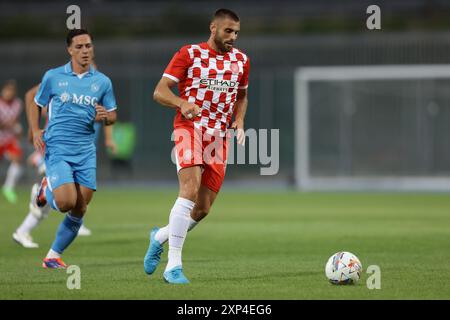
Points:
(343, 268)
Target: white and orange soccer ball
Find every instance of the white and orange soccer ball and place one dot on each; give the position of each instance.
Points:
(343, 268)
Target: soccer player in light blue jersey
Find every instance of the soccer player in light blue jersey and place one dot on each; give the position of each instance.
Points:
(22, 235)
(77, 95)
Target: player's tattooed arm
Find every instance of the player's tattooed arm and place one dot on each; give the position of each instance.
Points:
(164, 95)
(239, 115)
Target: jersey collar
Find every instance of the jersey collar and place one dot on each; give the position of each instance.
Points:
(68, 69)
(205, 45)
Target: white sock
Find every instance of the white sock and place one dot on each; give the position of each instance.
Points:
(53, 254)
(178, 227)
(28, 224)
(163, 233)
(174, 258)
(13, 174)
(192, 224)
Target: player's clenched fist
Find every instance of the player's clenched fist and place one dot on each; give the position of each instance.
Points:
(101, 113)
(190, 110)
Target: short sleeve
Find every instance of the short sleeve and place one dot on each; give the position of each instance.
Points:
(44, 94)
(177, 68)
(108, 99)
(243, 84)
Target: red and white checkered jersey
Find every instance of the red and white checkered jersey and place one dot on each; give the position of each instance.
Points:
(211, 81)
(9, 112)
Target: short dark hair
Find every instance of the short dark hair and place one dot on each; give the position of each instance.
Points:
(76, 32)
(226, 13)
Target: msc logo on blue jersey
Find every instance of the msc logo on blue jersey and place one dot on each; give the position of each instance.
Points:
(82, 100)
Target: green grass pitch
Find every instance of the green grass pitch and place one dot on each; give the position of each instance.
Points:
(257, 245)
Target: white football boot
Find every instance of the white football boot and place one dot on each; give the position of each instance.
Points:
(25, 240)
(84, 232)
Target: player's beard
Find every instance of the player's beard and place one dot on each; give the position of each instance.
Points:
(220, 43)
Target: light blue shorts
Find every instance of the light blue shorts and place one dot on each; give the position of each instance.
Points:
(61, 169)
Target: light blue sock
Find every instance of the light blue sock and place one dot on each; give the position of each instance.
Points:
(50, 199)
(67, 232)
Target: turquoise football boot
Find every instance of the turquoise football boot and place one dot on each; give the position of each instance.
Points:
(175, 276)
(153, 255)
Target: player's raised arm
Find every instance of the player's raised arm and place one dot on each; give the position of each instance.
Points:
(174, 73)
(164, 95)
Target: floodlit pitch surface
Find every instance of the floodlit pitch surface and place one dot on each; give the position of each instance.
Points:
(257, 245)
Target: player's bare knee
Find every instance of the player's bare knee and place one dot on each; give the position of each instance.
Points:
(65, 205)
(78, 211)
(80, 207)
(190, 195)
(189, 190)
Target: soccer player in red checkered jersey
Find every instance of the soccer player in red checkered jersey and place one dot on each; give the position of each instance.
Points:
(212, 79)
(10, 130)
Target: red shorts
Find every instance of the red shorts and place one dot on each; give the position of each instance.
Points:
(196, 147)
(11, 149)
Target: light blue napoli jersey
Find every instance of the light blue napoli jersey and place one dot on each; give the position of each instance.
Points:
(71, 101)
